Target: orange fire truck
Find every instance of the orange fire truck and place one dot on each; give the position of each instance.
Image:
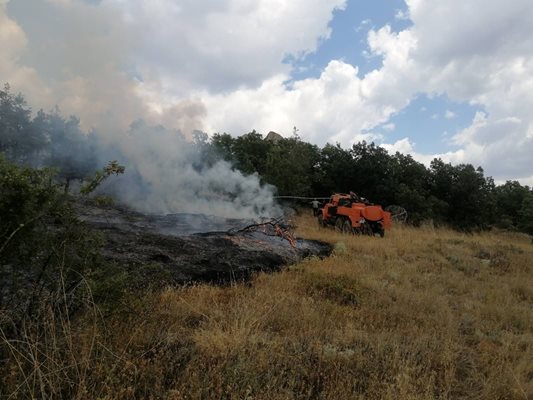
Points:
(349, 213)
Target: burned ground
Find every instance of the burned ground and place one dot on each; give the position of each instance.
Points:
(191, 247)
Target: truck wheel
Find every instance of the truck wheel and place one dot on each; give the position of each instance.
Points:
(321, 223)
(338, 224)
(347, 227)
(380, 230)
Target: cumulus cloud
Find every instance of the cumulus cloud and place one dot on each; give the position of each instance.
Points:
(107, 61)
(492, 69)
(218, 66)
(404, 146)
(223, 45)
(338, 106)
(323, 108)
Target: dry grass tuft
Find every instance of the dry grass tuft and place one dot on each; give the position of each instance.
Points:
(421, 314)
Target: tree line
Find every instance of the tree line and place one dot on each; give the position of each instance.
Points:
(460, 196)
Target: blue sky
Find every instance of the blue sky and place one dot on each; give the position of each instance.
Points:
(349, 29)
(449, 79)
(430, 121)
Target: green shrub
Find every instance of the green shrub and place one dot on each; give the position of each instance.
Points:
(44, 248)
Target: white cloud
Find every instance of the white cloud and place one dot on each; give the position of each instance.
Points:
(401, 15)
(222, 45)
(449, 114)
(323, 108)
(115, 61)
(389, 127)
(527, 180)
(217, 65)
(493, 69)
(404, 146)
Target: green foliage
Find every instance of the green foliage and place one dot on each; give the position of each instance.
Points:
(373, 172)
(223, 145)
(251, 152)
(456, 195)
(459, 196)
(44, 249)
(248, 152)
(335, 170)
(112, 168)
(466, 193)
(27, 195)
(525, 213)
(48, 139)
(67, 149)
(291, 166)
(509, 199)
(19, 139)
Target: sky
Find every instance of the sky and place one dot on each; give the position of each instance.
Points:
(450, 79)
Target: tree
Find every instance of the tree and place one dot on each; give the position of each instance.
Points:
(68, 147)
(291, 166)
(509, 199)
(43, 247)
(19, 140)
(335, 170)
(373, 172)
(223, 146)
(471, 203)
(112, 168)
(463, 193)
(525, 213)
(250, 152)
(410, 180)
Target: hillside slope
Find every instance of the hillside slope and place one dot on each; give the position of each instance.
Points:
(421, 314)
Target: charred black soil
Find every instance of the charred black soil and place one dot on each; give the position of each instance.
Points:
(194, 248)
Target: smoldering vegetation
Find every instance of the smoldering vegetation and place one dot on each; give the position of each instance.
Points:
(165, 172)
(169, 174)
(194, 248)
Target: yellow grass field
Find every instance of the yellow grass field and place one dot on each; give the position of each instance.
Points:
(421, 314)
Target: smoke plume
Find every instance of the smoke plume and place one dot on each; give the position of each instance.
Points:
(166, 173)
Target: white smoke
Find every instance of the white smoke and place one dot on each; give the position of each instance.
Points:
(167, 174)
(106, 72)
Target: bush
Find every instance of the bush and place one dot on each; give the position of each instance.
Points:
(44, 248)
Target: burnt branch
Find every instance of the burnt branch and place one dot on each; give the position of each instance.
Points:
(273, 227)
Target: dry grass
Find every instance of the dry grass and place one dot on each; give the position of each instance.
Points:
(421, 314)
